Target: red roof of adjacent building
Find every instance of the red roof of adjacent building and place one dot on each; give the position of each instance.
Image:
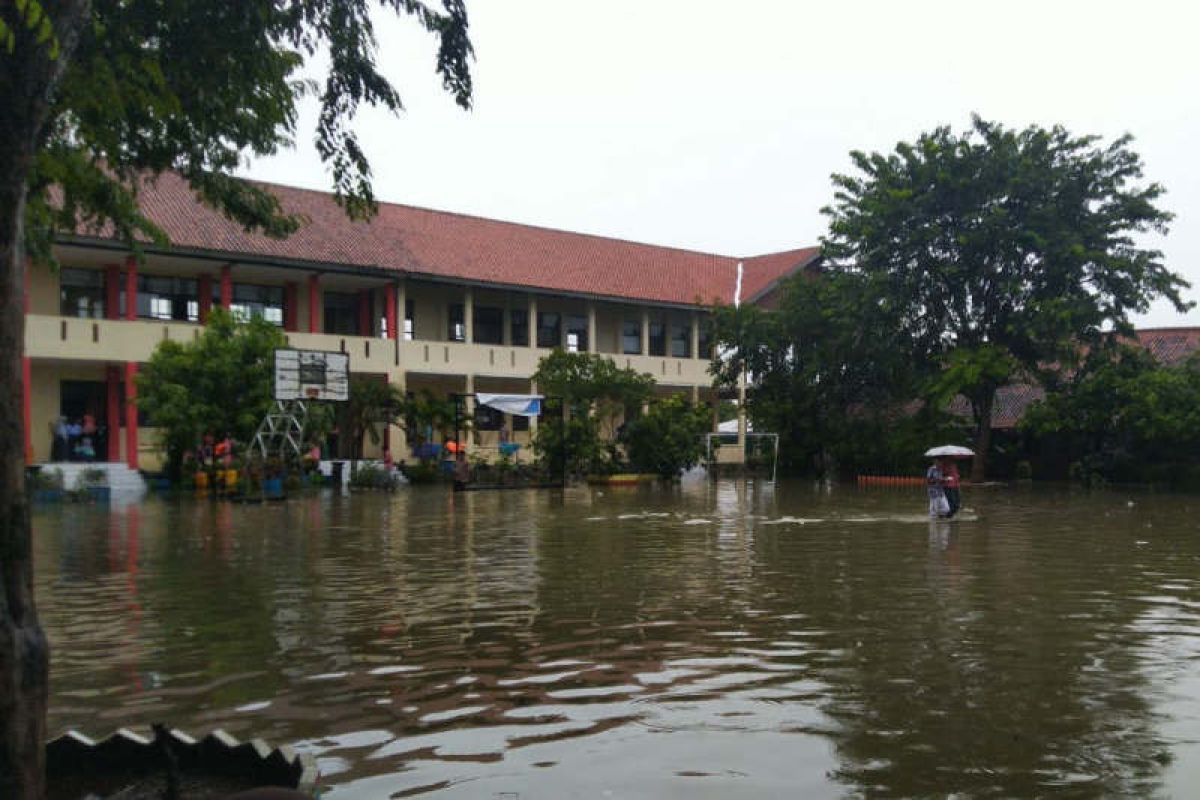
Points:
(438, 244)
(1168, 346)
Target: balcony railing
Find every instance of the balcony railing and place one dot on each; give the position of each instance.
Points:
(72, 338)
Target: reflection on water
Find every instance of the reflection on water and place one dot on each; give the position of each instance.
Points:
(715, 640)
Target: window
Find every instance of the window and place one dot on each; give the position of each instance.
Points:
(518, 327)
(456, 328)
(658, 339)
(409, 324)
(257, 301)
(577, 334)
(489, 325)
(681, 340)
(520, 423)
(705, 337)
(160, 297)
(488, 419)
(549, 329)
(631, 337)
(81, 293)
(341, 313)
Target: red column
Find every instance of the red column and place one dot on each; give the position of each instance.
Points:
(289, 306)
(204, 289)
(131, 292)
(364, 312)
(112, 291)
(226, 286)
(314, 302)
(389, 310)
(113, 414)
(131, 423)
(27, 405)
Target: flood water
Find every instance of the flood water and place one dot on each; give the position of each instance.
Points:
(718, 640)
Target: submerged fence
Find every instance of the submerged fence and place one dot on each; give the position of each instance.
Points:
(891, 480)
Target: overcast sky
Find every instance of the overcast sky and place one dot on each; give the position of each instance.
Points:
(715, 125)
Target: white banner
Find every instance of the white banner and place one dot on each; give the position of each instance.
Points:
(519, 405)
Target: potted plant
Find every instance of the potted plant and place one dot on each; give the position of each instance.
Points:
(46, 485)
(92, 484)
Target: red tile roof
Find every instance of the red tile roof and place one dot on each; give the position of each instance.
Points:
(438, 244)
(1169, 346)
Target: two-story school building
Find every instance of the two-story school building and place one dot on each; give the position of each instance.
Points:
(424, 299)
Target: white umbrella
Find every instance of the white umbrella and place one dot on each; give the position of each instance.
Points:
(949, 451)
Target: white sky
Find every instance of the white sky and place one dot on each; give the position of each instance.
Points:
(715, 125)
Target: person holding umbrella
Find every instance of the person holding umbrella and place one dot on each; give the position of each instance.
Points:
(935, 485)
(947, 479)
(950, 485)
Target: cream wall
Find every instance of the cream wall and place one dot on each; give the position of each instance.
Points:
(43, 290)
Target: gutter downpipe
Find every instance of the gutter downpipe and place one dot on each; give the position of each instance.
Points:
(741, 418)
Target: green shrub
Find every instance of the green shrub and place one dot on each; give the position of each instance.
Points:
(668, 438)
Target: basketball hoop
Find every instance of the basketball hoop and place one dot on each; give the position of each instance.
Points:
(312, 375)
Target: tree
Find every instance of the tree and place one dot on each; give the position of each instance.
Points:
(220, 383)
(373, 404)
(821, 375)
(1009, 249)
(595, 394)
(1124, 417)
(427, 418)
(668, 439)
(99, 96)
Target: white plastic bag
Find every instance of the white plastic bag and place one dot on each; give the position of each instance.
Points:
(939, 506)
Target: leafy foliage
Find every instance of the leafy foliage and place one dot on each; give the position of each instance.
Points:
(573, 446)
(821, 375)
(427, 418)
(220, 383)
(373, 405)
(1014, 247)
(667, 439)
(1125, 418)
(30, 15)
(596, 394)
(193, 86)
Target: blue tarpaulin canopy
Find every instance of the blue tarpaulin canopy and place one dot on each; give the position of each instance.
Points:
(520, 405)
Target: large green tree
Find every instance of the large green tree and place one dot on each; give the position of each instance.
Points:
(822, 376)
(98, 96)
(997, 251)
(221, 383)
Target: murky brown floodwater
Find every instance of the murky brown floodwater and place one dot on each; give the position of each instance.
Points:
(719, 640)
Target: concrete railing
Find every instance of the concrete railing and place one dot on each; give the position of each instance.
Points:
(122, 340)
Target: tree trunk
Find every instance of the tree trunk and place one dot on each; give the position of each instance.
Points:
(24, 655)
(983, 435)
(28, 78)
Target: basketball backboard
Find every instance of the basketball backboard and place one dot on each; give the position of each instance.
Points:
(312, 375)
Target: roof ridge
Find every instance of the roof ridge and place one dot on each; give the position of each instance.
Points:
(530, 225)
(1170, 329)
